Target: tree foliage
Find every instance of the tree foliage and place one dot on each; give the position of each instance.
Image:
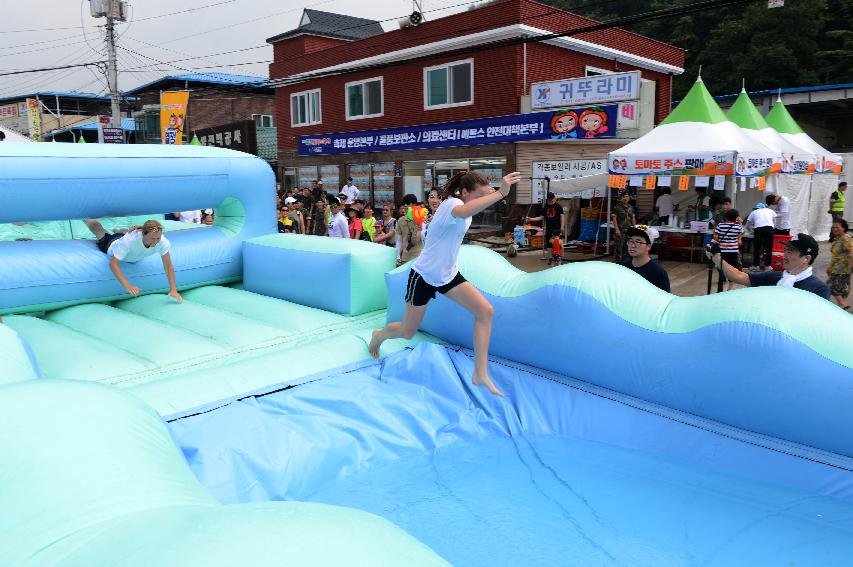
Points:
(803, 43)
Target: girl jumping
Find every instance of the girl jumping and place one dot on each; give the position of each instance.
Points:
(466, 194)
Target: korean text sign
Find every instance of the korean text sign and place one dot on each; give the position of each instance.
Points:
(586, 90)
(580, 123)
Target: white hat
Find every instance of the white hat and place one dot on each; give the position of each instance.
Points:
(289, 201)
(651, 232)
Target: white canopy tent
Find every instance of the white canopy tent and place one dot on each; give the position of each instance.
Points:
(824, 179)
(696, 139)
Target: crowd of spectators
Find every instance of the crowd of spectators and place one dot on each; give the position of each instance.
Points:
(314, 211)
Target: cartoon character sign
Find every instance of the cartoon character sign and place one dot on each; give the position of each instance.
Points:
(593, 122)
(564, 125)
(616, 165)
(175, 129)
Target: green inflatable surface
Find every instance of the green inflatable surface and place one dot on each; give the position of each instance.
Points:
(91, 477)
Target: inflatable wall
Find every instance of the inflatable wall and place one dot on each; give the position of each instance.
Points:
(56, 182)
(770, 360)
(339, 275)
(91, 476)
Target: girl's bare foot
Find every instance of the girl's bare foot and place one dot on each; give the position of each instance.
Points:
(375, 342)
(485, 380)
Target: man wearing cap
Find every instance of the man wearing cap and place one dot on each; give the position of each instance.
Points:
(800, 254)
(640, 240)
(351, 192)
(762, 221)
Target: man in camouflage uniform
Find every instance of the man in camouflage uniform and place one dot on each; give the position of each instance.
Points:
(622, 218)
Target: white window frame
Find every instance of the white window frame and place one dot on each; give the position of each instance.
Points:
(307, 93)
(449, 87)
(361, 82)
(270, 116)
(597, 71)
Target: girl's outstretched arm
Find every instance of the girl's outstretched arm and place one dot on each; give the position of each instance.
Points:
(474, 206)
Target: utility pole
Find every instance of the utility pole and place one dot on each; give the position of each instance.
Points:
(112, 70)
(114, 11)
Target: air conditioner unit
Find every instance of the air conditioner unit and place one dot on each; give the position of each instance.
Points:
(411, 20)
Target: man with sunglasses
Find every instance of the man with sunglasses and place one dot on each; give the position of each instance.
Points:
(388, 235)
(640, 240)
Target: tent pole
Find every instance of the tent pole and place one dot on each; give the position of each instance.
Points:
(607, 232)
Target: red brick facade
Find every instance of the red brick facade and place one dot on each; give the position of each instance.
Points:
(493, 16)
(213, 107)
(498, 72)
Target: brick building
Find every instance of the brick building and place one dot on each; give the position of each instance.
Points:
(215, 99)
(454, 71)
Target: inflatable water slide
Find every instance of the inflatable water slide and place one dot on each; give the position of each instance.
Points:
(248, 425)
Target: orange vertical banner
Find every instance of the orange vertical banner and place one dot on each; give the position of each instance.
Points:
(762, 183)
(651, 181)
(617, 181)
(612, 181)
(173, 113)
(683, 183)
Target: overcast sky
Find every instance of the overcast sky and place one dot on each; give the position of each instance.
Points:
(29, 38)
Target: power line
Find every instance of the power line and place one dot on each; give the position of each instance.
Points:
(42, 29)
(93, 63)
(40, 49)
(618, 22)
(186, 11)
(320, 2)
(41, 42)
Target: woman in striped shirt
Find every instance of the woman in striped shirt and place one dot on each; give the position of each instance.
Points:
(728, 234)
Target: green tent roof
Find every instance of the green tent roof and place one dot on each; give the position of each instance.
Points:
(744, 114)
(780, 119)
(697, 106)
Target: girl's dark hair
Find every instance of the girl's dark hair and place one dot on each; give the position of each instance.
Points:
(410, 199)
(731, 215)
(842, 222)
(358, 214)
(467, 180)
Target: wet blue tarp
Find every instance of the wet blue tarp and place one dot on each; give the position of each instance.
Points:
(558, 473)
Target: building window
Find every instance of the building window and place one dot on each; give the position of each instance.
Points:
(448, 85)
(364, 99)
(262, 120)
(595, 71)
(305, 108)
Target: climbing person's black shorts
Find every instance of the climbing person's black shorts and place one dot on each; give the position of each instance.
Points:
(419, 292)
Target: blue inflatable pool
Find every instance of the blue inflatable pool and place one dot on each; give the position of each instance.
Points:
(248, 425)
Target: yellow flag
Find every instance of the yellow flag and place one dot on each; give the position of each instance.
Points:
(173, 112)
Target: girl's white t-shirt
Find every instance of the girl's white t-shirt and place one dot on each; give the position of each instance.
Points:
(131, 248)
(437, 262)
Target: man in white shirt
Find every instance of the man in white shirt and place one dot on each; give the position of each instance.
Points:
(663, 206)
(351, 191)
(338, 225)
(782, 207)
(762, 221)
(133, 245)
